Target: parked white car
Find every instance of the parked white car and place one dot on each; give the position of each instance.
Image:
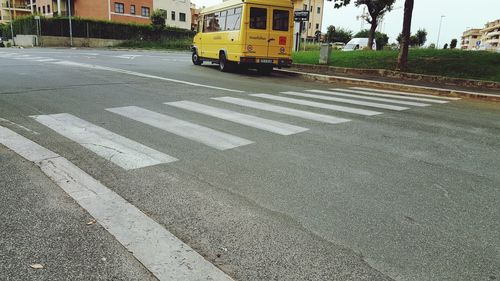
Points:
(358, 44)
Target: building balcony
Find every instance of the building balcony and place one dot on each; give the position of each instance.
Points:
(493, 33)
(493, 41)
(15, 7)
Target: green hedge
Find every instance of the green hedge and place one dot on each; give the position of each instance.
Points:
(86, 28)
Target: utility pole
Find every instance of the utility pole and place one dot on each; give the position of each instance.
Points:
(11, 19)
(439, 32)
(70, 26)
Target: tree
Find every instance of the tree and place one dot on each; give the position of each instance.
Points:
(453, 44)
(158, 19)
(445, 46)
(421, 37)
(405, 38)
(413, 40)
(340, 35)
(381, 38)
(376, 10)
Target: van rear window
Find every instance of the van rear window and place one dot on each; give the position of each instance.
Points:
(281, 20)
(258, 18)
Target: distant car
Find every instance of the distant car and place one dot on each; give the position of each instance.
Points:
(338, 45)
(358, 44)
(1, 43)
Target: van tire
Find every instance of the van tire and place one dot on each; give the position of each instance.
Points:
(196, 59)
(224, 64)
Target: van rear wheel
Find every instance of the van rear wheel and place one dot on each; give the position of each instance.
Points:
(224, 65)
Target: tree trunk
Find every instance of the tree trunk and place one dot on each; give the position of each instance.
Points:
(371, 36)
(405, 39)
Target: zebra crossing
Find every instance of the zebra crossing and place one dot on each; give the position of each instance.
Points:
(129, 154)
(341, 104)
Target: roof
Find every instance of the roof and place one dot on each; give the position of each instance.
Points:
(231, 3)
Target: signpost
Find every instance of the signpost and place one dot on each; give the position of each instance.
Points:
(300, 17)
(38, 30)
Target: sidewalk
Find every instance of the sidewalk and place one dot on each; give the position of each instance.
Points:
(324, 74)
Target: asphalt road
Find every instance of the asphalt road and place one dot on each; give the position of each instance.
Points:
(362, 192)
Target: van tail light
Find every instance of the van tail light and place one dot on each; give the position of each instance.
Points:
(248, 60)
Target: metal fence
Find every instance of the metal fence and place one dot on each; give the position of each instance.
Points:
(84, 28)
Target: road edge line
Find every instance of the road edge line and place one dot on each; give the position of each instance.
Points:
(163, 254)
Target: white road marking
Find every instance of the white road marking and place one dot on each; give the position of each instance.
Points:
(335, 93)
(319, 105)
(394, 98)
(129, 57)
(124, 152)
(207, 136)
(403, 93)
(236, 117)
(32, 58)
(357, 102)
(123, 71)
(6, 55)
(46, 60)
(163, 254)
(284, 110)
(17, 125)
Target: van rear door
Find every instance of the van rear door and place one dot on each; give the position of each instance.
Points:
(257, 37)
(280, 33)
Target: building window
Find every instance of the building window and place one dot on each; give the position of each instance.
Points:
(310, 25)
(173, 15)
(317, 26)
(319, 10)
(119, 8)
(48, 9)
(182, 17)
(43, 9)
(305, 7)
(39, 10)
(145, 11)
(132, 9)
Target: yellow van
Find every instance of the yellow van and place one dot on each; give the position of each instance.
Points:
(245, 33)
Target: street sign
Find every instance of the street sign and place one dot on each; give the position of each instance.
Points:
(37, 17)
(301, 16)
(478, 43)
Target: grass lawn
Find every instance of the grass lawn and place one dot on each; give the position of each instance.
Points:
(451, 63)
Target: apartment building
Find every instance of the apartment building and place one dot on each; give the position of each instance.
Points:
(178, 11)
(15, 9)
(491, 36)
(488, 37)
(471, 39)
(315, 8)
(134, 11)
(128, 11)
(195, 15)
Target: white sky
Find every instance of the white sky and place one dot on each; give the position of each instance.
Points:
(460, 15)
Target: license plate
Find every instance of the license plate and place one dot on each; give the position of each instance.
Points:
(266, 61)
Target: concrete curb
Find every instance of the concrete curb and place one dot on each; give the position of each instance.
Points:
(390, 85)
(394, 74)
